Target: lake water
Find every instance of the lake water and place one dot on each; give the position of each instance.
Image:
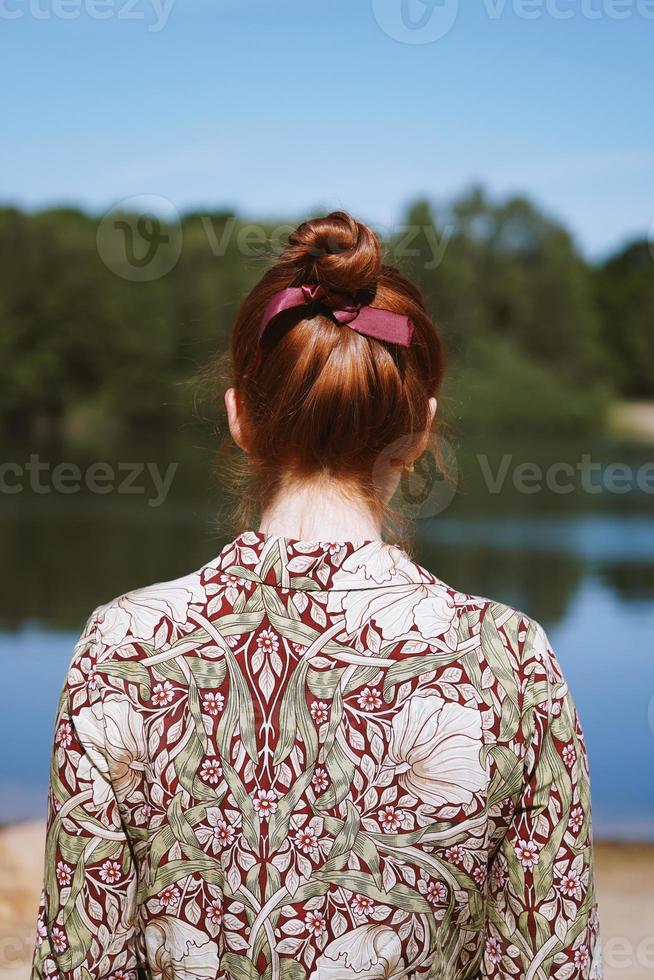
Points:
(582, 563)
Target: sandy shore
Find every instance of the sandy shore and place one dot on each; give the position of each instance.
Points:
(635, 420)
(625, 874)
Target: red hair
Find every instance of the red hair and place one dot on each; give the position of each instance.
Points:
(316, 398)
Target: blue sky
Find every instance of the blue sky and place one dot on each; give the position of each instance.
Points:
(279, 107)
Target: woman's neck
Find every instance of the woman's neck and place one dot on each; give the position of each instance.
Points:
(320, 510)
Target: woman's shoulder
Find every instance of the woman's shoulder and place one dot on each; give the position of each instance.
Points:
(154, 615)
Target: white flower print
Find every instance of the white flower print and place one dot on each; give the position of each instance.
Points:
(268, 641)
(139, 614)
(211, 771)
(373, 952)
(576, 819)
(369, 699)
(581, 957)
(319, 712)
(213, 703)
(111, 872)
(215, 912)
(455, 854)
(320, 780)
(570, 883)
(569, 755)
(169, 896)
(362, 905)
(64, 873)
(409, 607)
(64, 735)
(219, 833)
(390, 818)
(435, 748)
(527, 853)
(114, 738)
(315, 923)
(177, 949)
(231, 584)
(163, 693)
(436, 892)
(265, 802)
(493, 950)
(59, 940)
(306, 840)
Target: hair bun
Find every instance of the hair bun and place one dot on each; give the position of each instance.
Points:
(335, 251)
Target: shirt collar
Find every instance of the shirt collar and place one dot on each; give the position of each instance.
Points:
(319, 565)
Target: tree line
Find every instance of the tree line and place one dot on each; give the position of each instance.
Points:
(538, 338)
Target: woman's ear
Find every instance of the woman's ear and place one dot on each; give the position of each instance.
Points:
(424, 439)
(234, 417)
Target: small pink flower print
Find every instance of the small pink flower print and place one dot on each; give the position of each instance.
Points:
(454, 854)
(265, 802)
(64, 734)
(211, 771)
(581, 957)
(59, 940)
(306, 840)
(92, 681)
(369, 699)
(122, 975)
(231, 584)
(479, 874)
(362, 905)
(223, 832)
(320, 780)
(163, 693)
(319, 712)
(213, 703)
(569, 755)
(315, 923)
(111, 872)
(268, 641)
(527, 853)
(498, 874)
(390, 818)
(169, 896)
(41, 932)
(576, 819)
(570, 883)
(215, 912)
(436, 892)
(299, 648)
(64, 873)
(493, 950)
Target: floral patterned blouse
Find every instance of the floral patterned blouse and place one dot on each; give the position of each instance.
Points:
(316, 761)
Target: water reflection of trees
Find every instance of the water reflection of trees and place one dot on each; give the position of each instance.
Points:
(631, 581)
(541, 584)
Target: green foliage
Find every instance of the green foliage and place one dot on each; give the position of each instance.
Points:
(536, 337)
(625, 291)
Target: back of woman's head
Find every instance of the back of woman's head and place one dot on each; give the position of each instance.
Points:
(317, 398)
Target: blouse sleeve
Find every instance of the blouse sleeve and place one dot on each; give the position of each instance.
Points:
(542, 918)
(85, 922)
